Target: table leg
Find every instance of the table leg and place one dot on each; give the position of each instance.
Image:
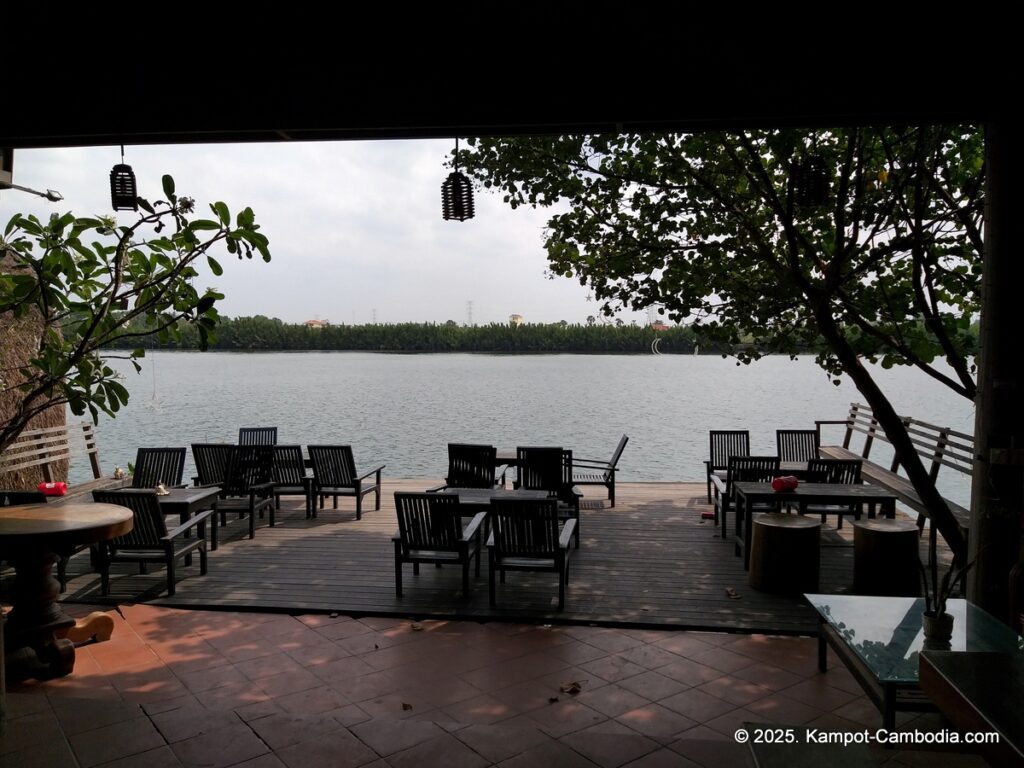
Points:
(822, 652)
(35, 626)
(748, 523)
(889, 708)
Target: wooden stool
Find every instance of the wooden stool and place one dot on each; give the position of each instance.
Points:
(785, 554)
(885, 558)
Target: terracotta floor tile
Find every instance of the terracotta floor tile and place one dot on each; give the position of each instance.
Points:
(265, 666)
(710, 753)
(232, 696)
(349, 715)
(385, 737)
(684, 644)
(311, 654)
(653, 685)
(576, 652)
(269, 760)
(227, 746)
(194, 659)
(611, 700)
(861, 710)
(656, 721)
(55, 753)
(136, 658)
(342, 669)
(362, 687)
(26, 703)
(148, 686)
(662, 758)
(612, 668)
(395, 706)
(547, 755)
(443, 692)
(186, 723)
(783, 710)
(112, 742)
(161, 757)
(501, 741)
(818, 693)
(337, 749)
(97, 689)
(444, 750)
(384, 623)
(279, 731)
(722, 659)
(30, 730)
(284, 683)
(690, 673)
(315, 620)
(610, 744)
(565, 717)
(735, 690)
(480, 709)
(243, 650)
(730, 722)
(208, 679)
(528, 695)
(649, 656)
(78, 715)
(259, 709)
(343, 629)
(611, 640)
(166, 705)
(768, 675)
(312, 701)
(697, 705)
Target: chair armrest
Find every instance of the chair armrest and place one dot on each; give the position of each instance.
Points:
(592, 463)
(474, 524)
(264, 489)
(190, 523)
(372, 471)
(435, 489)
(566, 537)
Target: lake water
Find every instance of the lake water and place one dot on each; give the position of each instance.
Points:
(402, 410)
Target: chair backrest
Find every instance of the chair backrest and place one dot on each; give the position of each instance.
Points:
(212, 461)
(471, 466)
(797, 444)
(618, 450)
(751, 469)
(834, 471)
(12, 498)
(257, 436)
(428, 521)
(158, 465)
(289, 466)
(726, 443)
(249, 465)
(333, 465)
(545, 469)
(525, 527)
(148, 525)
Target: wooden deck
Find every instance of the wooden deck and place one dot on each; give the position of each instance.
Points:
(651, 561)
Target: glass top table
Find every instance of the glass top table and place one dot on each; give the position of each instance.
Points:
(880, 639)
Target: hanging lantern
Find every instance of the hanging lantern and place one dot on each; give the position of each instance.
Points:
(457, 194)
(810, 182)
(123, 194)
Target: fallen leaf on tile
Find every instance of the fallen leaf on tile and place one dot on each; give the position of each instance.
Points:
(553, 700)
(732, 593)
(417, 627)
(406, 707)
(572, 687)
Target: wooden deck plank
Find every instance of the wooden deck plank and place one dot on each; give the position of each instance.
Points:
(650, 561)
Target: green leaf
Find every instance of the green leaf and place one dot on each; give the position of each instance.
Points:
(168, 185)
(214, 266)
(222, 213)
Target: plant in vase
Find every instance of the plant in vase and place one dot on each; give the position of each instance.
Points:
(936, 622)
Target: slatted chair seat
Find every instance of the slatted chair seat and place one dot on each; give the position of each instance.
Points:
(430, 530)
(335, 474)
(257, 436)
(149, 540)
(833, 471)
(724, 443)
(290, 477)
(544, 468)
(526, 536)
(248, 486)
(155, 466)
(597, 472)
(797, 444)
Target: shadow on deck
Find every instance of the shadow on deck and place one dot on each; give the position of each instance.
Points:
(649, 562)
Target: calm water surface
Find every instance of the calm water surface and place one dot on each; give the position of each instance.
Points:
(402, 410)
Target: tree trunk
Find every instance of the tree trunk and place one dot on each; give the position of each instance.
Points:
(997, 497)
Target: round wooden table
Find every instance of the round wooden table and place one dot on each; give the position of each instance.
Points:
(31, 538)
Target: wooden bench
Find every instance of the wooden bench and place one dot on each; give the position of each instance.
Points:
(44, 447)
(941, 446)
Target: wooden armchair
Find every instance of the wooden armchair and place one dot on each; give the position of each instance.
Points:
(797, 444)
(430, 530)
(596, 472)
(550, 469)
(753, 469)
(290, 477)
(724, 443)
(158, 465)
(833, 471)
(525, 536)
(471, 466)
(149, 540)
(248, 486)
(335, 474)
(257, 436)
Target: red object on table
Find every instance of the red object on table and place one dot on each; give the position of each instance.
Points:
(785, 483)
(53, 489)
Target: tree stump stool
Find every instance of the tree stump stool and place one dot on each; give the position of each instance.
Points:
(885, 558)
(785, 554)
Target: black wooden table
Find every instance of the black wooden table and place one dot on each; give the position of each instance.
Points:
(185, 502)
(748, 494)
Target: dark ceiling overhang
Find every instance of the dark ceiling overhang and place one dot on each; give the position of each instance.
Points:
(287, 74)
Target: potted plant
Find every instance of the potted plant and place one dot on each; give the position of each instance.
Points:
(936, 622)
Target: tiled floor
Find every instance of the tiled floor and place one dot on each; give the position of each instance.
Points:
(209, 689)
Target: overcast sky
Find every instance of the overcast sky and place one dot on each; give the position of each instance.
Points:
(355, 229)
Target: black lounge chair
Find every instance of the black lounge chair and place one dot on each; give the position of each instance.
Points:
(797, 444)
(248, 486)
(154, 466)
(335, 474)
(550, 469)
(257, 436)
(725, 443)
(290, 477)
(833, 471)
(472, 466)
(596, 472)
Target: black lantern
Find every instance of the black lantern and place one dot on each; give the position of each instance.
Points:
(457, 194)
(123, 194)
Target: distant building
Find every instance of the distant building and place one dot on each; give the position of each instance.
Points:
(657, 325)
(515, 319)
(316, 323)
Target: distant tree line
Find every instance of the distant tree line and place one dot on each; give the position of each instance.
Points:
(261, 333)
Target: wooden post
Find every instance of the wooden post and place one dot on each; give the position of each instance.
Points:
(997, 495)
